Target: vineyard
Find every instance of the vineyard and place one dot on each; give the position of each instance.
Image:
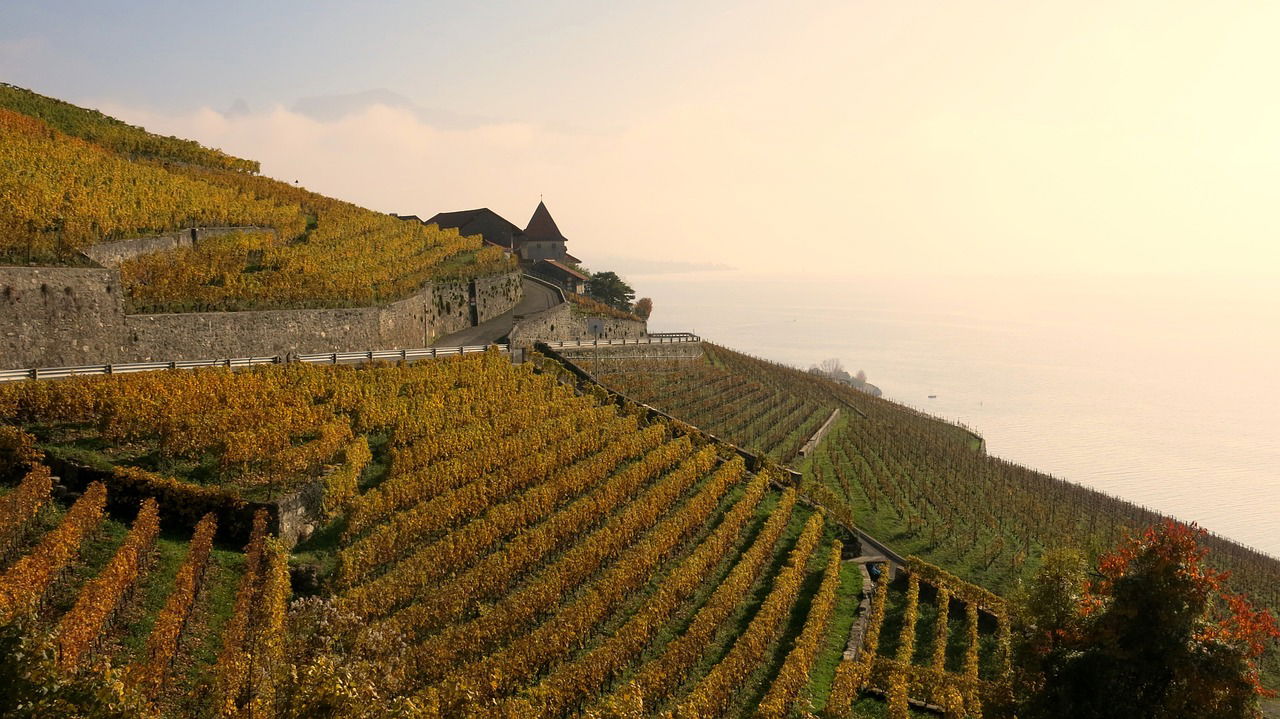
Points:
(511, 545)
(911, 480)
(759, 408)
(91, 591)
(72, 178)
(927, 646)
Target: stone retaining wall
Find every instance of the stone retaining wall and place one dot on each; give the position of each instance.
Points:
(112, 254)
(62, 316)
(563, 322)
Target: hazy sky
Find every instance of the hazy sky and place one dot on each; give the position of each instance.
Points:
(844, 137)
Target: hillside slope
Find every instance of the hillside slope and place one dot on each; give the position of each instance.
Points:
(73, 178)
(917, 482)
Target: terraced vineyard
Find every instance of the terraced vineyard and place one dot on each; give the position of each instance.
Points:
(919, 483)
(753, 404)
(499, 544)
(73, 177)
(926, 643)
(95, 589)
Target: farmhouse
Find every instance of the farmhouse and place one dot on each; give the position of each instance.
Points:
(539, 240)
(566, 277)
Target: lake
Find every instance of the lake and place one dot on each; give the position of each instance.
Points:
(1162, 390)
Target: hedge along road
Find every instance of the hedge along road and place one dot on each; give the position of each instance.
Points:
(537, 297)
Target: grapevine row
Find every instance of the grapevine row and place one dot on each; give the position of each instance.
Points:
(99, 599)
(24, 584)
(463, 546)
(712, 695)
(449, 508)
(657, 678)
(148, 675)
(794, 674)
(499, 672)
(568, 685)
(514, 611)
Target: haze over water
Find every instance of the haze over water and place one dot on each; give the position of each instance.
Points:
(1162, 391)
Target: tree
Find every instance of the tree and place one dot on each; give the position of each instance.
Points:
(643, 308)
(1156, 635)
(832, 367)
(609, 288)
(1046, 613)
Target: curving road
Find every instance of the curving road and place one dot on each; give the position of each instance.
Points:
(536, 298)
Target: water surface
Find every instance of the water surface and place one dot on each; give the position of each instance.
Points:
(1163, 391)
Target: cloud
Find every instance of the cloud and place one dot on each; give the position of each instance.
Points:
(333, 108)
(615, 195)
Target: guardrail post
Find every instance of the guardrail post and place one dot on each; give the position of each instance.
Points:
(35, 373)
(110, 369)
(433, 353)
(403, 354)
(334, 357)
(173, 364)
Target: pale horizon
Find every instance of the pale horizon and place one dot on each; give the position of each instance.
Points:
(843, 138)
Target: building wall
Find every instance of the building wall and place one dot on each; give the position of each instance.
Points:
(534, 250)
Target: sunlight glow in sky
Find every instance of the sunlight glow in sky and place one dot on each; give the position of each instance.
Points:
(843, 137)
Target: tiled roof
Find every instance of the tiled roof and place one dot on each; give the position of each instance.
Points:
(567, 270)
(455, 219)
(542, 227)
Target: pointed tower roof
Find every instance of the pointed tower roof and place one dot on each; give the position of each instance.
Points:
(542, 227)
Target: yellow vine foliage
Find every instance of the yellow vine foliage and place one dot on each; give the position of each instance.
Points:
(452, 507)
(656, 678)
(233, 667)
(23, 584)
(80, 627)
(573, 682)
(63, 193)
(19, 508)
(345, 256)
(712, 695)
(794, 674)
(266, 648)
(442, 654)
(149, 674)
(852, 674)
(528, 653)
(461, 549)
(342, 484)
(972, 696)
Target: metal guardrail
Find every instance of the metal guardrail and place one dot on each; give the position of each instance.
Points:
(16, 375)
(652, 339)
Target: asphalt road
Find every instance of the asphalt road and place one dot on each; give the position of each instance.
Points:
(536, 298)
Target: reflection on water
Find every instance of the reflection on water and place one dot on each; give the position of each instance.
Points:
(1165, 392)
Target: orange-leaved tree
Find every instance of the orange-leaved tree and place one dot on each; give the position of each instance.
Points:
(1155, 633)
